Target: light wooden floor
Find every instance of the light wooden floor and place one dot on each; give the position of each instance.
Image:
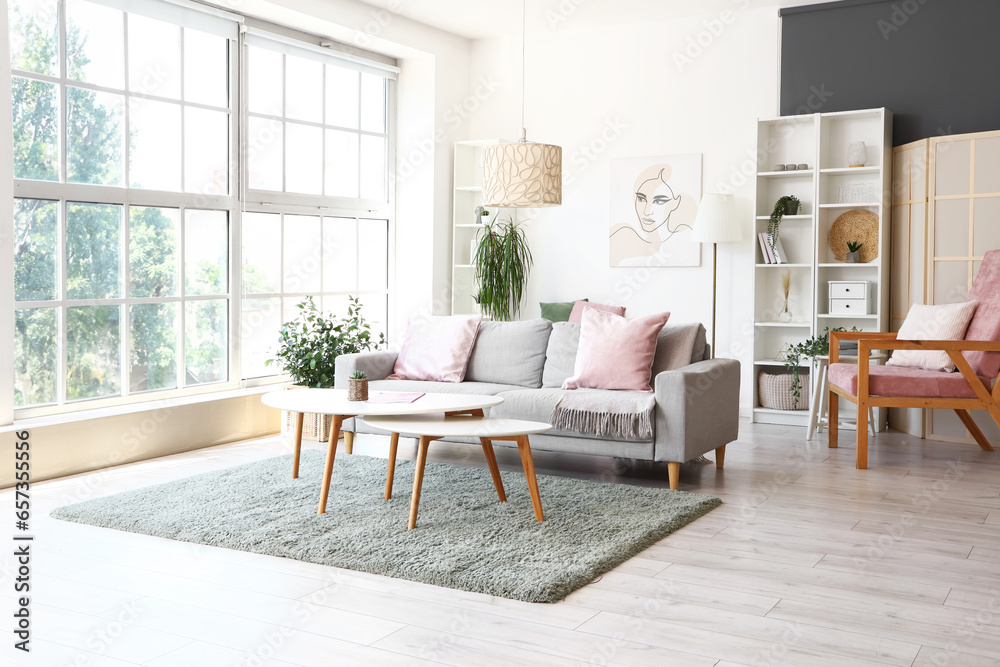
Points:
(808, 562)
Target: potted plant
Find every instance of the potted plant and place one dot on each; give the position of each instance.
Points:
(854, 254)
(817, 346)
(308, 347)
(787, 205)
(357, 386)
(502, 262)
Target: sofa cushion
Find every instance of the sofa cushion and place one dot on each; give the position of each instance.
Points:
(538, 404)
(557, 311)
(436, 348)
(510, 353)
(905, 381)
(677, 345)
(560, 355)
(615, 352)
(576, 315)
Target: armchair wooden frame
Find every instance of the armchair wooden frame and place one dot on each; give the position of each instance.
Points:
(984, 400)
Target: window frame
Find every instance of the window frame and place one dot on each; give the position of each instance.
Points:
(237, 201)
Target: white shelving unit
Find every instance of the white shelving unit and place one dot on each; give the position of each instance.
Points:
(468, 195)
(821, 141)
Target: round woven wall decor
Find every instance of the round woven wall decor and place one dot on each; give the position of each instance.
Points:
(857, 225)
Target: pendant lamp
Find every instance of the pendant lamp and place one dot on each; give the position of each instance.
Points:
(522, 174)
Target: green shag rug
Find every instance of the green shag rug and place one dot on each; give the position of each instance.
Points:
(465, 538)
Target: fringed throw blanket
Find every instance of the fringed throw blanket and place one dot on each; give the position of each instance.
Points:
(622, 415)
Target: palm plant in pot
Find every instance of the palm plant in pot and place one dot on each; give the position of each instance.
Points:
(502, 262)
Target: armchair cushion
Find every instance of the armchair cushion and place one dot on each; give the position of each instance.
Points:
(905, 381)
(985, 324)
(947, 321)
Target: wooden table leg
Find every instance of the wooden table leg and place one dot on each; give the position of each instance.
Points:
(529, 472)
(393, 443)
(331, 453)
(349, 441)
(298, 444)
(491, 461)
(418, 478)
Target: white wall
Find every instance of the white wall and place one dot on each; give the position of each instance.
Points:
(621, 92)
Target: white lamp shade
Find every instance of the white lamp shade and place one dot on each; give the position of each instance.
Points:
(717, 221)
(523, 174)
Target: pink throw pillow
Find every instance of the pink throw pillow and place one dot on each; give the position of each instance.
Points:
(576, 315)
(615, 353)
(436, 348)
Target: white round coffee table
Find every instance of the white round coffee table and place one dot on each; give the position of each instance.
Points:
(334, 402)
(430, 427)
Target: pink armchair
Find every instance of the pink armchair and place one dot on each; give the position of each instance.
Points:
(973, 387)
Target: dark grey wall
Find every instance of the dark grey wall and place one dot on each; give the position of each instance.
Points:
(934, 63)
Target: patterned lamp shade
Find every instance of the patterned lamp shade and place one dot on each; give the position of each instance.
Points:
(522, 174)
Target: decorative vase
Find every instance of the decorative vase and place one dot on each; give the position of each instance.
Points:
(791, 207)
(357, 390)
(854, 257)
(785, 315)
(857, 154)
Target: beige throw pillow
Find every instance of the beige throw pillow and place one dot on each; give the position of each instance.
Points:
(944, 322)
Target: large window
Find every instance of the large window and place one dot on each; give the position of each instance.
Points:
(129, 230)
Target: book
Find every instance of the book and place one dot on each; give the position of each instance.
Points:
(765, 250)
(780, 252)
(395, 397)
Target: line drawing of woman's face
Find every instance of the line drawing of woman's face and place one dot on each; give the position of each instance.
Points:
(654, 202)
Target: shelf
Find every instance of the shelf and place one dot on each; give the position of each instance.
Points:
(472, 225)
(801, 216)
(463, 266)
(772, 362)
(786, 325)
(845, 265)
(857, 205)
(769, 411)
(851, 170)
(785, 174)
(469, 188)
(787, 266)
(847, 317)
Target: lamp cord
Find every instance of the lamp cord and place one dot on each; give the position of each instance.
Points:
(524, 30)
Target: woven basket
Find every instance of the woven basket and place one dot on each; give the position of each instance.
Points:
(775, 391)
(314, 427)
(856, 225)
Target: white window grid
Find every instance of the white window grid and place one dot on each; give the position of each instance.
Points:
(233, 204)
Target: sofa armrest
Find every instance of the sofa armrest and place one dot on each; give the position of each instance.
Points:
(697, 409)
(376, 365)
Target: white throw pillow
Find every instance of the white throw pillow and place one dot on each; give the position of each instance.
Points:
(944, 322)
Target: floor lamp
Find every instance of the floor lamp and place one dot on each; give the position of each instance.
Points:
(716, 223)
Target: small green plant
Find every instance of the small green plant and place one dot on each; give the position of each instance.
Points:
(309, 345)
(502, 262)
(774, 222)
(359, 375)
(817, 346)
(854, 246)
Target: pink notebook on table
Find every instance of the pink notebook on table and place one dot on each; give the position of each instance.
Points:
(396, 397)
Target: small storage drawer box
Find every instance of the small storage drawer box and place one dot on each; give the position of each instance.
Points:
(849, 297)
(845, 290)
(848, 306)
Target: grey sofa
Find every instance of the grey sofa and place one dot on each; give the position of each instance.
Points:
(697, 398)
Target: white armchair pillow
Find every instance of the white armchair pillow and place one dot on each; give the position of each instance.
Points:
(942, 322)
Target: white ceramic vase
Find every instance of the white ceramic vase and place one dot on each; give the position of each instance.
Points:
(857, 154)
